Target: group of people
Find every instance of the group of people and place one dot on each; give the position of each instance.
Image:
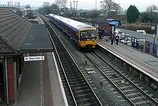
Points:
(114, 37)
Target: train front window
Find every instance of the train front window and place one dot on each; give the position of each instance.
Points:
(88, 35)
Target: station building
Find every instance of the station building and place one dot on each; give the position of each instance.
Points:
(18, 38)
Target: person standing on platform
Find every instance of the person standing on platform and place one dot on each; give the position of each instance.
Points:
(112, 39)
(100, 35)
(105, 35)
(116, 39)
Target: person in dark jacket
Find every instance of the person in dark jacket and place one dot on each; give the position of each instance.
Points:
(100, 35)
(112, 39)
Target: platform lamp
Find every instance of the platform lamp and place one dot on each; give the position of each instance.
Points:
(154, 28)
(156, 31)
(144, 47)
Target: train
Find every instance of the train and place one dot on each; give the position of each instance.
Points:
(82, 34)
(29, 13)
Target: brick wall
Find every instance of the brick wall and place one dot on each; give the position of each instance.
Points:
(11, 90)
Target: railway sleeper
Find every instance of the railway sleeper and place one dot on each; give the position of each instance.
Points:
(81, 87)
(76, 80)
(132, 94)
(126, 87)
(143, 102)
(77, 84)
(127, 90)
(89, 100)
(137, 98)
(82, 91)
(90, 104)
(83, 95)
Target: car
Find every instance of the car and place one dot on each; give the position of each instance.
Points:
(127, 41)
(123, 36)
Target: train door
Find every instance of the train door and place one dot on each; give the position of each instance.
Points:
(1, 83)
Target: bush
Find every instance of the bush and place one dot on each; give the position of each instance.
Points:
(135, 27)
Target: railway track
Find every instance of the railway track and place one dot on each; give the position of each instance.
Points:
(77, 88)
(120, 83)
(129, 90)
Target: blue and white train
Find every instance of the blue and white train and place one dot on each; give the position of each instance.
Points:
(84, 35)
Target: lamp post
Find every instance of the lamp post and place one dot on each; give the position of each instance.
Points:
(144, 47)
(125, 21)
(153, 27)
(156, 32)
(154, 36)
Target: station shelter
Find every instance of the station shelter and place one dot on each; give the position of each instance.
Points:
(106, 24)
(18, 37)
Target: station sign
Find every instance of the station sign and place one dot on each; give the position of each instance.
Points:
(33, 58)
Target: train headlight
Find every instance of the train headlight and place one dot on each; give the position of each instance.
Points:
(83, 42)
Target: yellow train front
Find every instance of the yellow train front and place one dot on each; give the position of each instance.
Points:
(87, 38)
(84, 35)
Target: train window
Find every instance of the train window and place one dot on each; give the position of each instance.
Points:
(88, 34)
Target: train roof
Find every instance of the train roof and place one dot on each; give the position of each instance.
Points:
(75, 24)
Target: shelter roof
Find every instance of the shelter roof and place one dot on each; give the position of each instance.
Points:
(38, 40)
(15, 32)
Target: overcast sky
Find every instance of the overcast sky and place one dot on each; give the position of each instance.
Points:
(90, 4)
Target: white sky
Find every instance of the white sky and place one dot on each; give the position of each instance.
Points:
(90, 4)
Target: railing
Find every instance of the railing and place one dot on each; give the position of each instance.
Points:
(10, 6)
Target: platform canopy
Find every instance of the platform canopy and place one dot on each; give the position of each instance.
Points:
(38, 40)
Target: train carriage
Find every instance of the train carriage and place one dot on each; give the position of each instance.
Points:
(84, 35)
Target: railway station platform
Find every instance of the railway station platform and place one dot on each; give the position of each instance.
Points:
(40, 83)
(143, 62)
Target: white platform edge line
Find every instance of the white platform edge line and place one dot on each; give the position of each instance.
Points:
(61, 85)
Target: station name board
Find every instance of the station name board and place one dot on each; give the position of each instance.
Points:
(33, 58)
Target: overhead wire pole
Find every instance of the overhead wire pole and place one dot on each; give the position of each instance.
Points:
(75, 3)
(73, 9)
(76, 9)
(96, 4)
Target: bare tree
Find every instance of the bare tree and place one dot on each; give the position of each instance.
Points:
(151, 8)
(46, 4)
(55, 9)
(110, 5)
(117, 8)
(27, 6)
(61, 3)
(151, 14)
